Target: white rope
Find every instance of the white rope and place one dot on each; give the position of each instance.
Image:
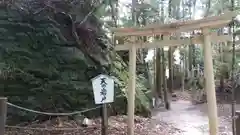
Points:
(52, 114)
(55, 114)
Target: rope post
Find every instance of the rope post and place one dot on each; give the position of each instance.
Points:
(237, 118)
(3, 112)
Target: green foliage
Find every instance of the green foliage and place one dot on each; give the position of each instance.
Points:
(120, 72)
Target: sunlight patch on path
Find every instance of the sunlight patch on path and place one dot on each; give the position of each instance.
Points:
(192, 119)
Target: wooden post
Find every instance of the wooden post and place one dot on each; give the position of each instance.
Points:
(104, 119)
(170, 71)
(3, 112)
(238, 123)
(131, 89)
(184, 68)
(209, 84)
(132, 76)
(158, 77)
(155, 96)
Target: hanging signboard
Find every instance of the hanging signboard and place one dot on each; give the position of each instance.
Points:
(103, 89)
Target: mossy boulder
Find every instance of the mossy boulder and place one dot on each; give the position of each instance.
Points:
(48, 57)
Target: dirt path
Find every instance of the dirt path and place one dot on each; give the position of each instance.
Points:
(193, 119)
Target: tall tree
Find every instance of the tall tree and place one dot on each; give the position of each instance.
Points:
(170, 51)
(163, 63)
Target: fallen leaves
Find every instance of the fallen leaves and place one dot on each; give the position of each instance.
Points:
(117, 126)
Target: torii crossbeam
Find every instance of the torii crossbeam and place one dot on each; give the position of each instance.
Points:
(205, 38)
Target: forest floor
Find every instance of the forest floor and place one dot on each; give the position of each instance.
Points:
(117, 126)
(184, 118)
(193, 118)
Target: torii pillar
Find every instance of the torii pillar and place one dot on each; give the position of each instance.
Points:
(209, 82)
(131, 89)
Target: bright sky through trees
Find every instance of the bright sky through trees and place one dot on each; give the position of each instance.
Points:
(124, 10)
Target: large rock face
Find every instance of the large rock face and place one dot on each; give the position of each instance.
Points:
(48, 58)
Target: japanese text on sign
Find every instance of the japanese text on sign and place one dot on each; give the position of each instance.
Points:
(103, 89)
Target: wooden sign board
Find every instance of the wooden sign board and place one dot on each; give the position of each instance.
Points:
(103, 89)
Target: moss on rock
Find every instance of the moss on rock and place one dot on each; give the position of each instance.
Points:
(47, 58)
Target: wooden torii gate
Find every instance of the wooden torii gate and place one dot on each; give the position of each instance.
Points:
(205, 38)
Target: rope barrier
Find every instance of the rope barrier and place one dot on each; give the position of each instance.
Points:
(52, 114)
